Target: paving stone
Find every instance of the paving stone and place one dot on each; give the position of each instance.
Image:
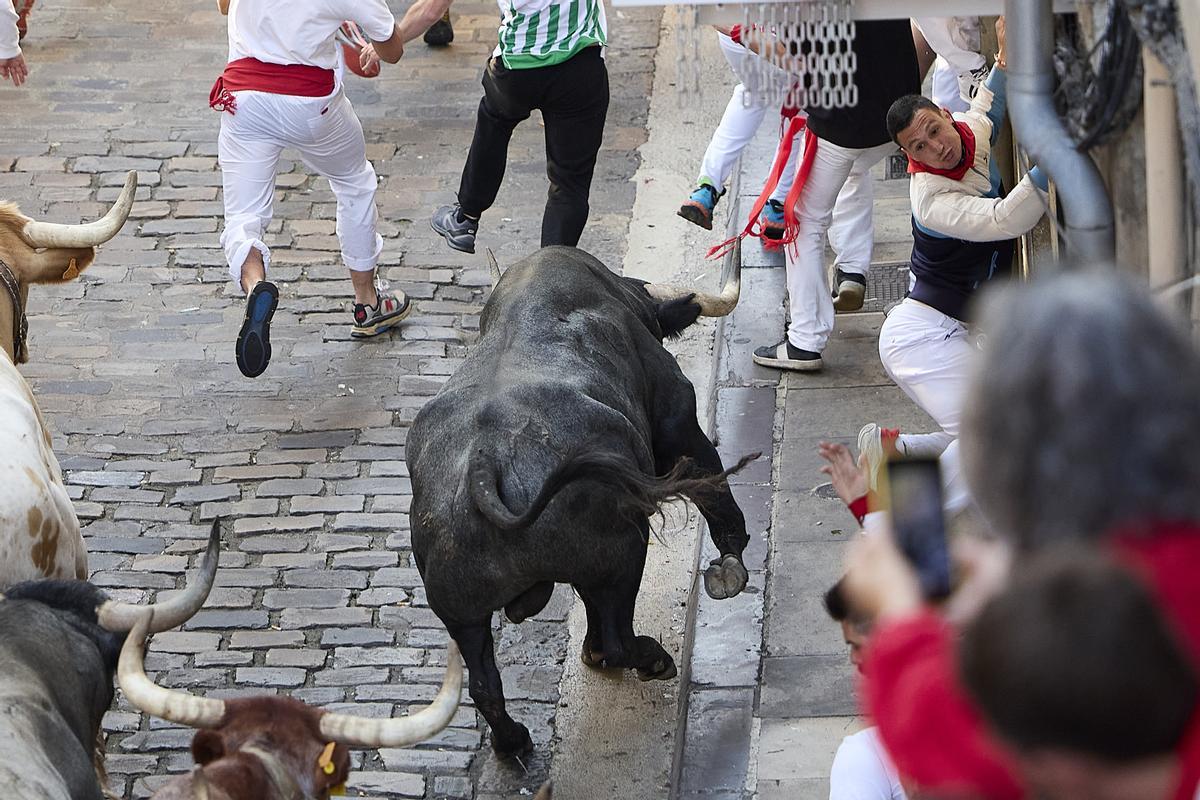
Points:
(266, 639)
(287, 487)
(356, 636)
(305, 598)
(386, 784)
(200, 494)
(270, 676)
(807, 686)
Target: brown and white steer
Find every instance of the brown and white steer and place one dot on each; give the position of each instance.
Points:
(39, 532)
(273, 748)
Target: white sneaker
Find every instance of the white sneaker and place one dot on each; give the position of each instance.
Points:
(870, 443)
(969, 82)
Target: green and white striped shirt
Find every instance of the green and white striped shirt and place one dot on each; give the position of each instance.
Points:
(540, 33)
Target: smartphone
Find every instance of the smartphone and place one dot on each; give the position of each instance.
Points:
(915, 489)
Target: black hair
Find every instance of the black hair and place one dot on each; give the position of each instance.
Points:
(1075, 655)
(79, 599)
(835, 602)
(838, 606)
(900, 114)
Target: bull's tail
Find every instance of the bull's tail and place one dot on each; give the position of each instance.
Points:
(640, 494)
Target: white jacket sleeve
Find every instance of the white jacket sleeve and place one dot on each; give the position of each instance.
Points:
(10, 46)
(960, 215)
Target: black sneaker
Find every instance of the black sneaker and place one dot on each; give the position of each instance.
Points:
(253, 348)
(850, 292)
(457, 228)
(785, 356)
(388, 310)
(440, 33)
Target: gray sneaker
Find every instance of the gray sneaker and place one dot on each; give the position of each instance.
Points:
(457, 228)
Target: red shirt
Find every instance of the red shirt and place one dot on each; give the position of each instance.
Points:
(937, 737)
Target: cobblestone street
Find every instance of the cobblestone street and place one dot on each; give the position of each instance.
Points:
(158, 433)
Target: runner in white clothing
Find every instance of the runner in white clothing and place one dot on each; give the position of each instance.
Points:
(282, 88)
(12, 62)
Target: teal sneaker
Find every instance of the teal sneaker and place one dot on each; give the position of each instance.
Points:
(698, 209)
(772, 221)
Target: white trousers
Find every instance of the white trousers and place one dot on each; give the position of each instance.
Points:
(738, 126)
(956, 42)
(329, 137)
(929, 355)
(945, 90)
(840, 177)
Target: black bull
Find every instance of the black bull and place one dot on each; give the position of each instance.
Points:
(543, 458)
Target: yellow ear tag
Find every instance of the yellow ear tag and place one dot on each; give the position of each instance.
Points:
(72, 271)
(338, 791)
(325, 761)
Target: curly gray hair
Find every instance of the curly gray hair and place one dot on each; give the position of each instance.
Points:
(1084, 414)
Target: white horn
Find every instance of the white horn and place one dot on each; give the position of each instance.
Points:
(494, 267)
(402, 731)
(711, 305)
(145, 694)
(51, 234)
(116, 616)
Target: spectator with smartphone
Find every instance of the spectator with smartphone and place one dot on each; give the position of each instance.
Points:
(1083, 425)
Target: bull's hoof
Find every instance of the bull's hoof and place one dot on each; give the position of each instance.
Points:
(661, 671)
(659, 666)
(514, 743)
(592, 658)
(725, 577)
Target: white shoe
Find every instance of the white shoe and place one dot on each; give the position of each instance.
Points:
(870, 443)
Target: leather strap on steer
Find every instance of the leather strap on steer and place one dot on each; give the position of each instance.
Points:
(20, 321)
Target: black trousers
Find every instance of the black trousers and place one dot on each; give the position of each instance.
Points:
(573, 98)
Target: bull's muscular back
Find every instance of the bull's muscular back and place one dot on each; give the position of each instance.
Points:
(39, 532)
(570, 358)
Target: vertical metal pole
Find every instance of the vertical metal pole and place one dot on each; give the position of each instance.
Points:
(1087, 208)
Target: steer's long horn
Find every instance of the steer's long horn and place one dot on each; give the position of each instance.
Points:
(168, 704)
(51, 234)
(711, 305)
(402, 731)
(116, 616)
(493, 267)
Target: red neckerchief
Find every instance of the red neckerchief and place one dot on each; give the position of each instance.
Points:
(791, 130)
(968, 160)
(300, 80)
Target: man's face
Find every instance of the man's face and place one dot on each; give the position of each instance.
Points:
(856, 638)
(932, 139)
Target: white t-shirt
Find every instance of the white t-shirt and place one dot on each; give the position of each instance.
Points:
(301, 31)
(863, 771)
(10, 39)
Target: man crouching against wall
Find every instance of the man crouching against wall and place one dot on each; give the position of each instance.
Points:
(964, 231)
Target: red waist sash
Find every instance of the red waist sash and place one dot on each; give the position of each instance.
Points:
(250, 74)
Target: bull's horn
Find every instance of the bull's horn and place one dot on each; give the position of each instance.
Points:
(711, 305)
(51, 234)
(117, 616)
(494, 267)
(402, 731)
(145, 694)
